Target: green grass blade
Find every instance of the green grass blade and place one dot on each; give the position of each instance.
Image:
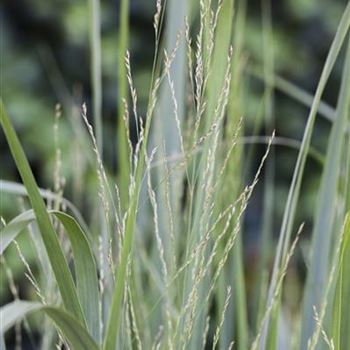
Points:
(114, 317)
(347, 173)
(85, 272)
(294, 191)
(2, 343)
(269, 176)
(15, 311)
(237, 313)
(116, 305)
(222, 44)
(15, 188)
(165, 130)
(58, 261)
(96, 74)
(176, 13)
(12, 229)
(341, 306)
(123, 156)
(293, 91)
(84, 263)
(218, 65)
(71, 329)
(169, 118)
(324, 223)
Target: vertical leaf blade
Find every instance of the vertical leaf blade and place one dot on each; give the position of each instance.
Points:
(325, 224)
(96, 74)
(294, 191)
(341, 306)
(123, 157)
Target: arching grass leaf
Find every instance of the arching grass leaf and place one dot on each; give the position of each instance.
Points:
(84, 263)
(54, 251)
(72, 330)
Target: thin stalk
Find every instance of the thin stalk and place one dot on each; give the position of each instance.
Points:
(269, 195)
(294, 191)
(326, 219)
(113, 323)
(123, 156)
(235, 110)
(96, 74)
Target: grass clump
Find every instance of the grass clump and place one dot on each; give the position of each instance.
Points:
(161, 264)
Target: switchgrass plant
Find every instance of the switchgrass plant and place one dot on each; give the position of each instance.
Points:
(160, 265)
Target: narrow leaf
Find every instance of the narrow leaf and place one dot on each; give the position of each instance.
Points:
(71, 328)
(13, 228)
(85, 272)
(123, 148)
(58, 261)
(341, 307)
(325, 225)
(15, 188)
(84, 263)
(294, 191)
